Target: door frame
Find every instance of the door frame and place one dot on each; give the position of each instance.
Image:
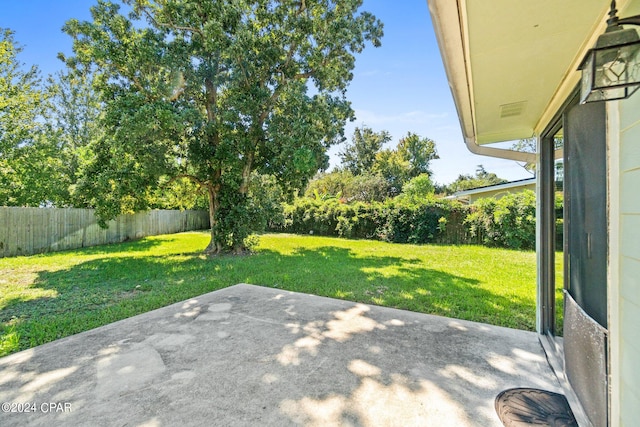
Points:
(546, 228)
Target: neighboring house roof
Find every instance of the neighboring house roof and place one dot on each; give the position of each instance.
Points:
(493, 190)
(512, 64)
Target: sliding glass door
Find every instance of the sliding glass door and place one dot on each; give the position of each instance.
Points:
(580, 315)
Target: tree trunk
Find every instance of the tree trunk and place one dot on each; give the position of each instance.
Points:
(213, 186)
(215, 246)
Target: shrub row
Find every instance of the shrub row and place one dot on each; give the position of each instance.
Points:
(507, 222)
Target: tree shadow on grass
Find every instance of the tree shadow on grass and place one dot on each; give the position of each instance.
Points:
(398, 282)
(101, 282)
(101, 291)
(111, 288)
(137, 245)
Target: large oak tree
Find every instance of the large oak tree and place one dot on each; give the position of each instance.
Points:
(213, 90)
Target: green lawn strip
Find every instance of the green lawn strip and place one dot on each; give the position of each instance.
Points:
(49, 296)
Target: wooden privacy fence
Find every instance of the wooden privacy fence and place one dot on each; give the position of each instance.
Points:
(27, 231)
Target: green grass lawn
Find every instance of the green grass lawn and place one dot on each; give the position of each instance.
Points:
(46, 297)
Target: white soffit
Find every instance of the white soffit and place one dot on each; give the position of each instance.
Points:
(511, 63)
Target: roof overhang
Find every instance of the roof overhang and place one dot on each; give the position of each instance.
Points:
(523, 183)
(512, 64)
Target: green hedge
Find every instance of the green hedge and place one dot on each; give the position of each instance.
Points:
(509, 222)
(431, 220)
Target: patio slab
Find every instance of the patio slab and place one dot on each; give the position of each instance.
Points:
(253, 356)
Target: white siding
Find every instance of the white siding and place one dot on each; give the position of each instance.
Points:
(625, 321)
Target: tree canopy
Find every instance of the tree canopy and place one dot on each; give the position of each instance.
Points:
(482, 178)
(418, 152)
(359, 156)
(343, 184)
(74, 117)
(418, 188)
(29, 166)
(211, 91)
(410, 159)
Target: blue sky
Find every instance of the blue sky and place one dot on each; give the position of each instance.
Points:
(400, 87)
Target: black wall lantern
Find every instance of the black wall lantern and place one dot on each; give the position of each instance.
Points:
(611, 70)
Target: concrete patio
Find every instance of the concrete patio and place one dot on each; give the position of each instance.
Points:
(253, 356)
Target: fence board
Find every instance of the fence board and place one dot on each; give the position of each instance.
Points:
(27, 231)
(4, 225)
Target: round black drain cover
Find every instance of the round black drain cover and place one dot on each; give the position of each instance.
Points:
(520, 407)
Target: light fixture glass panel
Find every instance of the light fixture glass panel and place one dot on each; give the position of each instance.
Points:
(617, 66)
(587, 77)
(611, 70)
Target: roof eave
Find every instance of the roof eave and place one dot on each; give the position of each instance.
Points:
(451, 41)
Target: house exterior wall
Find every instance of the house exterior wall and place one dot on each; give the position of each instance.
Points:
(624, 280)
